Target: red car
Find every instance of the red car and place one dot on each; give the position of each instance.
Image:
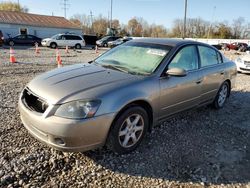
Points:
(238, 46)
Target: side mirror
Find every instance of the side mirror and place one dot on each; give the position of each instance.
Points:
(179, 72)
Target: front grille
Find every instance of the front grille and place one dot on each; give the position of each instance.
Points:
(247, 63)
(33, 102)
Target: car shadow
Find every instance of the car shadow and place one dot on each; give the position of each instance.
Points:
(199, 145)
(18, 47)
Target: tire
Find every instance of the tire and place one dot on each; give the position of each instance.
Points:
(128, 130)
(53, 45)
(78, 46)
(105, 45)
(11, 43)
(221, 96)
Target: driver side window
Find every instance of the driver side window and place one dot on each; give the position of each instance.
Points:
(186, 59)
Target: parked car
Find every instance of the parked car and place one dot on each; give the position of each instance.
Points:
(63, 40)
(243, 64)
(118, 97)
(119, 41)
(23, 40)
(1, 38)
(238, 46)
(90, 39)
(221, 46)
(103, 42)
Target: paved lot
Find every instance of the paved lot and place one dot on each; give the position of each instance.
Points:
(197, 148)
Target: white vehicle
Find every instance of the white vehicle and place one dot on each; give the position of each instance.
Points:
(62, 40)
(243, 64)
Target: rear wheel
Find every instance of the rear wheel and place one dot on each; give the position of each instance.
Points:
(221, 96)
(78, 46)
(53, 45)
(128, 130)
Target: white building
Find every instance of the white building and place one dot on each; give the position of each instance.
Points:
(14, 23)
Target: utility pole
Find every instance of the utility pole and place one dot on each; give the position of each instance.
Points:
(111, 10)
(91, 19)
(65, 7)
(185, 21)
(210, 26)
(18, 3)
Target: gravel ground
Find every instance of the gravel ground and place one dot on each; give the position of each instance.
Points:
(198, 148)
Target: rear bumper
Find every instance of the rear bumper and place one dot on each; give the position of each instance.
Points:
(67, 134)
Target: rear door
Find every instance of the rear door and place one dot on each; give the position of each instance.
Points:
(212, 70)
(180, 93)
(69, 40)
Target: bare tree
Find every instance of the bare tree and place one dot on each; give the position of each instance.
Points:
(237, 27)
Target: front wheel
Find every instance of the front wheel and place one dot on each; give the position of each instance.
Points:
(128, 130)
(221, 96)
(53, 45)
(11, 43)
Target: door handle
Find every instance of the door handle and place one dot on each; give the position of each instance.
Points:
(199, 81)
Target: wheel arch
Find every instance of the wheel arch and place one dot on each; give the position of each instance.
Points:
(229, 85)
(141, 103)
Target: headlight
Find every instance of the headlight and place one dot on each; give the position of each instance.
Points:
(239, 60)
(78, 109)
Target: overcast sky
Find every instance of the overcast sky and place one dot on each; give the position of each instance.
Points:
(154, 11)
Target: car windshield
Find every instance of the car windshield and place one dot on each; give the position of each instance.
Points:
(134, 58)
(55, 36)
(104, 38)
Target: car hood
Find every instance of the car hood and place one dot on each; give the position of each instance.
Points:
(71, 82)
(246, 57)
(46, 39)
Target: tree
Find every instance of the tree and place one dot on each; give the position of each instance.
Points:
(238, 27)
(134, 27)
(10, 6)
(100, 25)
(222, 31)
(83, 21)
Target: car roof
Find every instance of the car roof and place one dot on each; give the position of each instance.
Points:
(166, 41)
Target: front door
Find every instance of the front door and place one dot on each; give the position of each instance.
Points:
(180, 93)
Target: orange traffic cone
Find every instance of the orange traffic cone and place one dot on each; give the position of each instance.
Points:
(58, 58)
(12, 56)
(67, 49)
(37, 49)
(96, 49)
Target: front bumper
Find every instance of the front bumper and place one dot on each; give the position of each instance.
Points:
(67, 134)
(243, 68)
(44, 43)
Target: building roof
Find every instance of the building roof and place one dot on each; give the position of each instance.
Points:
(11, 17)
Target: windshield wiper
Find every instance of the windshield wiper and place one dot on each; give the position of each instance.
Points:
(115, 67)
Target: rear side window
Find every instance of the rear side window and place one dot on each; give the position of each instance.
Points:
(72, 37)
(209, 56)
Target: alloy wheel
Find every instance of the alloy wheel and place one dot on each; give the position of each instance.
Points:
(131, 130)
(223, 95)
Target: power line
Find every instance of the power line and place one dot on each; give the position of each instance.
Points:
(65, 7)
